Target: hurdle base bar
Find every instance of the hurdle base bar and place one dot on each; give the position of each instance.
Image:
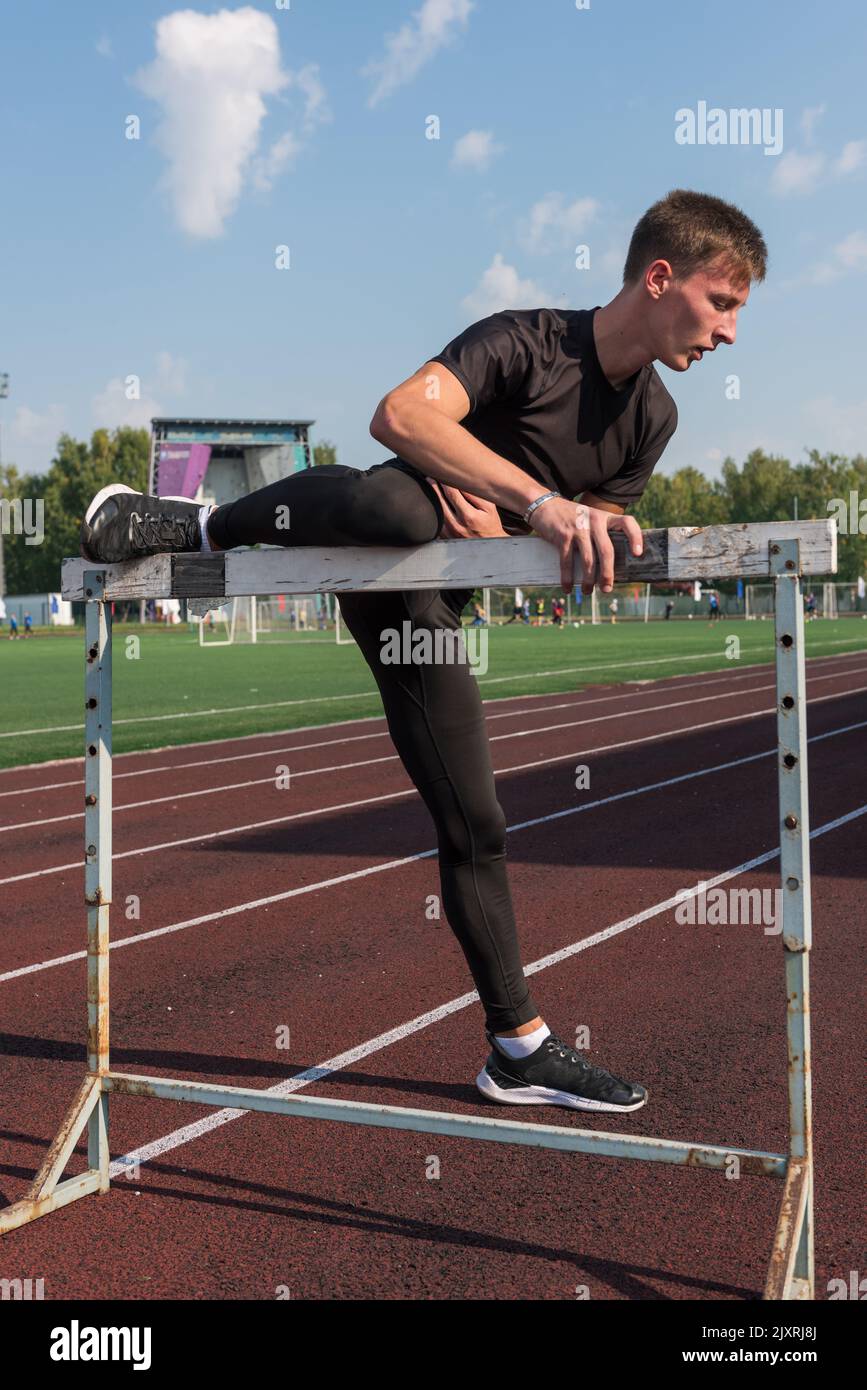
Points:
(595, 1143)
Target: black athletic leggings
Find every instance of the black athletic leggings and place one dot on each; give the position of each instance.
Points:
(434, 711)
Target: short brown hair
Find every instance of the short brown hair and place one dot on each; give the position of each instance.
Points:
(691, 229)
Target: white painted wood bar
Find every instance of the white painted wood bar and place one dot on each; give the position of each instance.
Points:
(679, 552)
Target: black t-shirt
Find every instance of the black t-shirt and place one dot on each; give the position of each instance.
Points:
(539, 398)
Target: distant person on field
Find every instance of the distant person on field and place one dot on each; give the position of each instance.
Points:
(13, 627)
(713, 609)
(669, 608)
(28, 625)
(613, 606)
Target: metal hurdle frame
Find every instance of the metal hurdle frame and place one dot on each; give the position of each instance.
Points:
(784, 551)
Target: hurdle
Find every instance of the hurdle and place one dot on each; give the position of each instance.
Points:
(780, 551)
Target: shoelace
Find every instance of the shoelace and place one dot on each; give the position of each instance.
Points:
(164, 532)
(555, 1044)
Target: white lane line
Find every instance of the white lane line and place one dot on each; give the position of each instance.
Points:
(713, 678)
(411, 858)
(187, 1133)
(196, 713)
(719, 678)
(615, 665)
(393, 757)
(411, 791)
(366, 694)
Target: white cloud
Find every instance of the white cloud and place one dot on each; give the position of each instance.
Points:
(110, 408)
(103, 47)
(797, 173)
(416, 43)
(210, 78)
(713, 455)
(553, 222)
(501, 287)
(265, 168)
(475, 150)
(852, 251)
(29, 427)
(848, 254)
(851, 157)
(809, 117)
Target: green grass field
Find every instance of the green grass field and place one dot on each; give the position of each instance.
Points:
(175, 692)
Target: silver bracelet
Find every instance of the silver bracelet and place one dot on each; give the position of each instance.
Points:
(538, 502)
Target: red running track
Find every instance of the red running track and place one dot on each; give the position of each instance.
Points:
(305, 908)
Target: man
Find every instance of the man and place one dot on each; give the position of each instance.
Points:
(479, 616)
(497, 435)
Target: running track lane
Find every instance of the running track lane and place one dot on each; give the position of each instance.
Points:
(379, 1227)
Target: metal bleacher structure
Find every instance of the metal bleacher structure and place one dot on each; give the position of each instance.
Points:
(777, 551)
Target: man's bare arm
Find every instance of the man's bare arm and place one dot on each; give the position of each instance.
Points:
(419, 420)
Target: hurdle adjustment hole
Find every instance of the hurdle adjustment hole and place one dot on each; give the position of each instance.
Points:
(788, 702)
(786, 640)
(789, 760)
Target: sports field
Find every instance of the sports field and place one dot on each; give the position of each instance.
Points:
(168, 690)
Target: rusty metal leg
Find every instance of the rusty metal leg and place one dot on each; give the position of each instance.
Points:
(65, 1140)
(794, 1241)
(97, 856)
(48, 1192)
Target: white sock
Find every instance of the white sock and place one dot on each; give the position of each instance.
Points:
(204, 513)
(523, 1046)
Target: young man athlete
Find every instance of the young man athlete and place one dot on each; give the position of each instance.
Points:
(519, 415)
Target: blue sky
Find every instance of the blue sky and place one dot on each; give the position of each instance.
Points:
(262, 126)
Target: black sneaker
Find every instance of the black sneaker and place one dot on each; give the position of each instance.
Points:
(123, 525)
(555, 1074)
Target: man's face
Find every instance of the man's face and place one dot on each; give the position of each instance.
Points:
(695, 315)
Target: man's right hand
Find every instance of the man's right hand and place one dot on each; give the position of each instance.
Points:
(571, 526)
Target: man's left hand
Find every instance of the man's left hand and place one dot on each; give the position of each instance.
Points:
(465, 515)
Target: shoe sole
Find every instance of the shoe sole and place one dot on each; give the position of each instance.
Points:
(545, 1095)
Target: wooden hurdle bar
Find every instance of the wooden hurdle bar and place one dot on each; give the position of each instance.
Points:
(781, 551)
